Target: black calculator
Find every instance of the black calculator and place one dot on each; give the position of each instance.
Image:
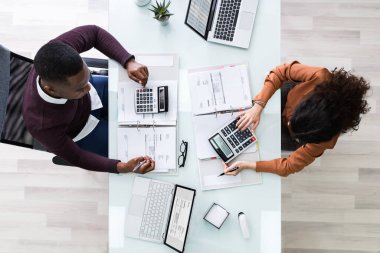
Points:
(152, 100)
(229, 141)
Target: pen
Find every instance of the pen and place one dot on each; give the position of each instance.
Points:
(222, 174)
(138, 166)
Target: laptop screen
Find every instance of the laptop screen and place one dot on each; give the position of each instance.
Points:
(198, 15)
(180, 213)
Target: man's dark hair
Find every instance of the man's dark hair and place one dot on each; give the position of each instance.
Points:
(56, 61)
(332, 108)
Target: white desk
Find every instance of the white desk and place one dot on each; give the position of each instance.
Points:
(135, 28)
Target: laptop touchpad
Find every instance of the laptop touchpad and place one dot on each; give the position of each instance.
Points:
(246, 20)
(137, 205)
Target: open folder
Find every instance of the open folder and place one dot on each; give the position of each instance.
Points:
(153, 134)
(218, 94)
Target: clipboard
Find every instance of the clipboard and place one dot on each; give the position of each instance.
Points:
(153, 134)
(218, 94)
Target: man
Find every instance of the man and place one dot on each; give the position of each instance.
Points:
(61, 106)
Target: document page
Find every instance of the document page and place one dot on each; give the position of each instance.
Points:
(159, 143)
(225, 88)
(209, 170)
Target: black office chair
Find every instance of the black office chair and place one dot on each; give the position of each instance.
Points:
(13, 75)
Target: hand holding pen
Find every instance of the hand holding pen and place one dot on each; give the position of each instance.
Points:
(232, 170)
(140, 165)
(143, 165)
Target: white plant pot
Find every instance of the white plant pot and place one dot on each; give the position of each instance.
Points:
(164, 22)
(142, 2)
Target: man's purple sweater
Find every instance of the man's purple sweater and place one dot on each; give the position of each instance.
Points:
(55, 125)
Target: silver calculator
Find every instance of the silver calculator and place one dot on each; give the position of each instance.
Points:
(229, 141)
(151, 100)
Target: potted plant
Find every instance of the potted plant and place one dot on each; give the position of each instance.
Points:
(161, 12)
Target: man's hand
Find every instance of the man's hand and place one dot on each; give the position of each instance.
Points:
(249, 117)
(137, 72)
(133, 164)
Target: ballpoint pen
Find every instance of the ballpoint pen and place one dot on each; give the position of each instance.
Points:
(138, 166)
(222, 174)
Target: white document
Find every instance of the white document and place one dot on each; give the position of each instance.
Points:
(210, 168)
(219, 89)
(126, 104)
(159, 143)
(206, 126)
(215, 180)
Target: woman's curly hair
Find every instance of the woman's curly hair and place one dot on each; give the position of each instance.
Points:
(332, 108)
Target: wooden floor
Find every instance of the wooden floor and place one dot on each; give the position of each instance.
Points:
(332, 206)
(46, 208)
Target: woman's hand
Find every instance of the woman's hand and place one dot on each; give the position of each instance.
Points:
(249, 117)
(133, 164)
(137, 72)
(236, 167)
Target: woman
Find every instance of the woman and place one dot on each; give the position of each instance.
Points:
(317, 107)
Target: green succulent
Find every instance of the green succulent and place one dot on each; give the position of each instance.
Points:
(161, 11)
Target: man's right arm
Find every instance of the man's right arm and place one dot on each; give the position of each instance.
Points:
(84, 38)
(64, 147)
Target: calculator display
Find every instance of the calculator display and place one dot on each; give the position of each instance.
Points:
(218, 143)
(161, 99)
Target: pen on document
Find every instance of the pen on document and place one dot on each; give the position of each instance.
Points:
(138, 166)
(222, 174)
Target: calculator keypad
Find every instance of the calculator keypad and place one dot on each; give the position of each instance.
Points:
(145, 101)
(238, 140)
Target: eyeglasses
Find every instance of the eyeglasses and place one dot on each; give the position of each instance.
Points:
(182, 156)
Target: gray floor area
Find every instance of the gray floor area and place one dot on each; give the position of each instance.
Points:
(334, 205)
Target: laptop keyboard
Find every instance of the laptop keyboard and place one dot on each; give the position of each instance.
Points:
(155, 209)
(227, 17)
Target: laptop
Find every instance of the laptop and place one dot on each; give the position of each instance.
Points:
(159, 212)
(228, 22)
